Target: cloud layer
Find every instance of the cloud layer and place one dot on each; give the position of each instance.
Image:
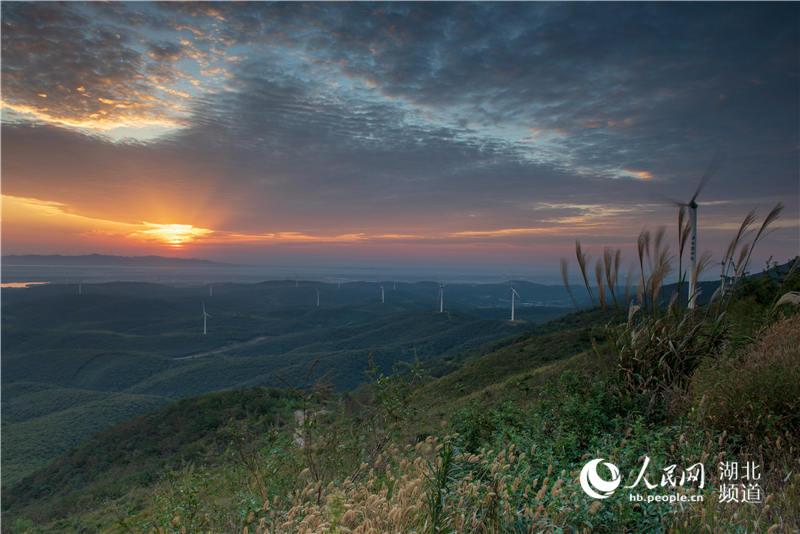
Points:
(519, 123)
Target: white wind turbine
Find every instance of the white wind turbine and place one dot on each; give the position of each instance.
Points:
(205, 317)
(441, 297)
(692, 207)
(514, 294)
(382, 296)
(210, 290)
(317, 298)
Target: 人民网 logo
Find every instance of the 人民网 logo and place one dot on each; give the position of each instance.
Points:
(595, 486)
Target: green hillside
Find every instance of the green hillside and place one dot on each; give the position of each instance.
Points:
(28, 400)
(120, 349)
(32, 443)
(132, 455)
(83, 368)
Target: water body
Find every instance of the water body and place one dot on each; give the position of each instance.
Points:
(22, 284)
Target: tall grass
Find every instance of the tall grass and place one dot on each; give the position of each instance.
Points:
(755, 394)
(756, 391)
(658, 343)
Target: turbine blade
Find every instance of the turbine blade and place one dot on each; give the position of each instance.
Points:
(669, 200)
(710, 170)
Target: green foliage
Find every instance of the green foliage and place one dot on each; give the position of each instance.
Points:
(178, 508)
(22, 525)
(335, 511)
(392, 394)
(579, 417)
(474, 424)
(441, 474)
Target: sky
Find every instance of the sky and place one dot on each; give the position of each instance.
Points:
(481, 135)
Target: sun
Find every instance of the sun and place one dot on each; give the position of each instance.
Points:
(174, 235)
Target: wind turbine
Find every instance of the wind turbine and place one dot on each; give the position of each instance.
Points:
(80, 288)
(317, 298)
(210, 290)
(205, 316)
(513, 295)
(692, 207)
(382, 296)
(441, 297)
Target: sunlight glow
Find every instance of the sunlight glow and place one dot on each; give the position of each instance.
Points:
(94, 121)
(175, 235)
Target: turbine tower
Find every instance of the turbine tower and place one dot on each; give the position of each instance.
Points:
(441, 297)
(205, 317)
(80, 288)
(210, 290)
(513, 295)
(692, 206)
(382, 296)
(317, 298)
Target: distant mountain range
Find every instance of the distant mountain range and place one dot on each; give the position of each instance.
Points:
(106, 260)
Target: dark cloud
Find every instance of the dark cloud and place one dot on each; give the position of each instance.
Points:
(682, 76)
(165, 51)
(649, 86)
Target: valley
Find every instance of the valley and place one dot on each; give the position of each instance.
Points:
(78, 360)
